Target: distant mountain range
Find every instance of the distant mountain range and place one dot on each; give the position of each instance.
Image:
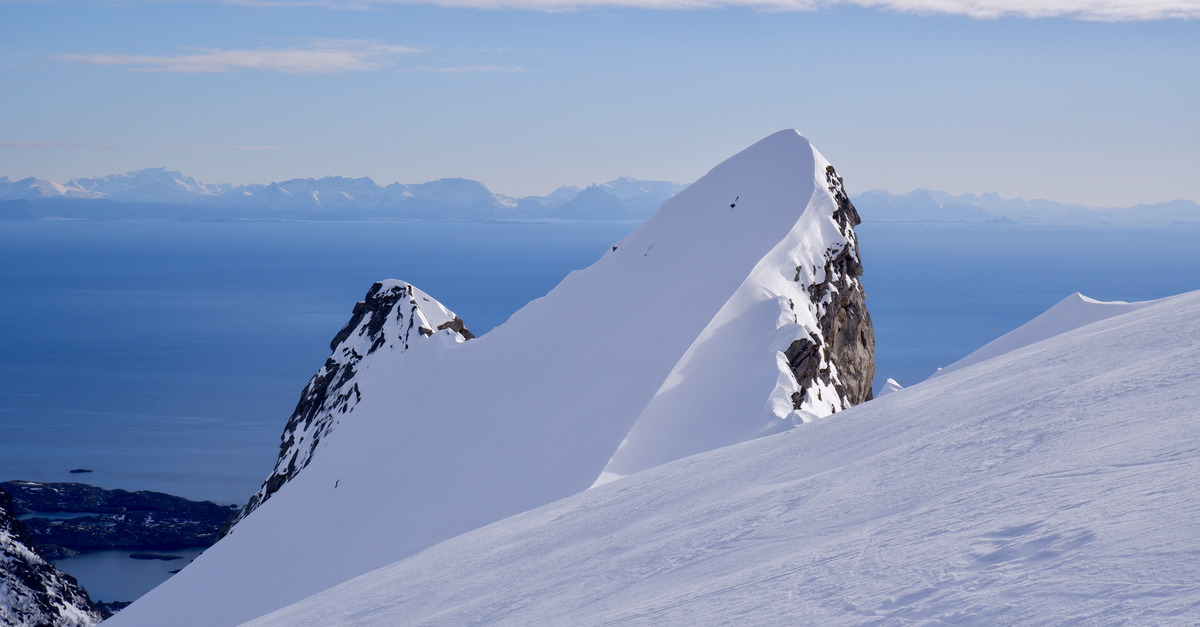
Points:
(158, 193)
(161, 193)
(924, 205)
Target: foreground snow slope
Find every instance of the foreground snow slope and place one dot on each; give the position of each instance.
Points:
(1056, 484)
(449, 436)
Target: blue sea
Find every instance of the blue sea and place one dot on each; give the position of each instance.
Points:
(167, 355)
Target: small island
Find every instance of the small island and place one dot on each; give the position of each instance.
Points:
(166, 557)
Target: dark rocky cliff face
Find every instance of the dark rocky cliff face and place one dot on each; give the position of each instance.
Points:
(843, 356)
(32, 592)
(392, 317)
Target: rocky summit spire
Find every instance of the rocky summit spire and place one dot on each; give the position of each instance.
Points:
(392, 318)
(794, 341)
(841, 356)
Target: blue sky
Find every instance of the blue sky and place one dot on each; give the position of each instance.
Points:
(1077, 101)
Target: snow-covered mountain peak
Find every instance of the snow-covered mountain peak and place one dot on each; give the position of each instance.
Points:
(456, 192)
(735, 306)
(146, 185)
(392, 318)
(818, 357)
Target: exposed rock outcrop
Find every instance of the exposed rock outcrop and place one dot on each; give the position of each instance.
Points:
(391, 318)
(33, 592)
(842, 356)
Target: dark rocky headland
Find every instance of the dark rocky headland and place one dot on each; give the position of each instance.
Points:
(33, 591)
(112, 519)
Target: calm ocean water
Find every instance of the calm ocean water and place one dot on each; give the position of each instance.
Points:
(937, 293)
(168, 355)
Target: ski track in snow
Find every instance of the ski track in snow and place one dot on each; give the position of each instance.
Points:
(1058, 484)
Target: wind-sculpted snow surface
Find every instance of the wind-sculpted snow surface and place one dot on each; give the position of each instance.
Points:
(393, 315)
(1055, 484)
(673, 343)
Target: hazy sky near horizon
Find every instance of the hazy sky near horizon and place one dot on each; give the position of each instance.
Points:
(1083, 101)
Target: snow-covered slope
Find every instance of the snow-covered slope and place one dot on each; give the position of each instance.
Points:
(1070, 313)
(1056, 484)
(758, 257)
(32, 591)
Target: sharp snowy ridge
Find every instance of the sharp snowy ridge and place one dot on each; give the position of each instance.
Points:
(801, 289)
(747, 280)
(1053, 484)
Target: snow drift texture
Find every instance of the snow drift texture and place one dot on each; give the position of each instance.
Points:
(734, 312)
(1054, 484)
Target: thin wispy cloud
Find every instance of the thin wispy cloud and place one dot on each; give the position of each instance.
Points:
(52, 145)
(323, 57)
(38, 145)
(246, 148)
(1093, 10)
(467, 69)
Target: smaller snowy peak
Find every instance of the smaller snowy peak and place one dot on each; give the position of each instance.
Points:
(595, 202)
(330, 192)
(148, 185)
(33, 592)
(457, 192)
(393, 317)
(889, 386)
(32, 188)
(561, 194)
(1069, 314)
(627, 189)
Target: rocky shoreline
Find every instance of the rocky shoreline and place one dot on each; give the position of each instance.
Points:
(103, 519)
